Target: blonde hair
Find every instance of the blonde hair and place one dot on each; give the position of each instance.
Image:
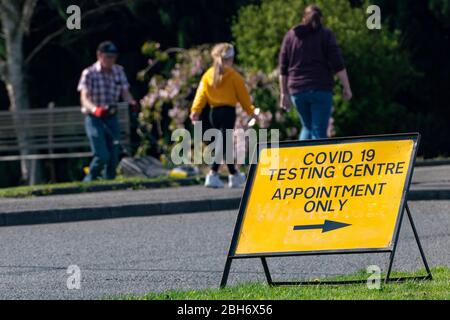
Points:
(220, 52)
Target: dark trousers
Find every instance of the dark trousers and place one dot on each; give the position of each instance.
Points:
(104, 138)
(223, 118)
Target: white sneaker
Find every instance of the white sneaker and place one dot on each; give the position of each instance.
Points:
(213, 181)
(237, 180)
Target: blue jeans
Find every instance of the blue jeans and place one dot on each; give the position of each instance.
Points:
(104, 138)
(314, 108)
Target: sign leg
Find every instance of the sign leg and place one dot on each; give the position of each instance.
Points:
(419, 245)
(392, 256)
(266, 271)
(226, 272)
(416, 235)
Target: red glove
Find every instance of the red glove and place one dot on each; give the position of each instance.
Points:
(100, 112)
(135, 106)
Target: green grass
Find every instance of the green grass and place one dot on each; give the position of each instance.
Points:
(436, 289)
(80, 187)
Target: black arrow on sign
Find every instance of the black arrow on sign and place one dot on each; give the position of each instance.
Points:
(327, 226)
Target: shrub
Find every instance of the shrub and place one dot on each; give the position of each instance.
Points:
(167, 105)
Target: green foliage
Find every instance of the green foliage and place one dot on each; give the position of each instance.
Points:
(441, 9)
(259, 29)
(59, 6)
(425, 28)
(171, 90)
(378, 67)
(150, 48)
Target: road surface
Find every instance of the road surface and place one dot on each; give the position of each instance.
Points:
(156, 253)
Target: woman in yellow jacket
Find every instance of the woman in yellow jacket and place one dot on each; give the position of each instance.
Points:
(222, 87)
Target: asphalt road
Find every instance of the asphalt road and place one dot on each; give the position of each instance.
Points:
(139, 255)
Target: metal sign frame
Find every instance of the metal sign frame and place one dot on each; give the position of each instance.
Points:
(391, 249)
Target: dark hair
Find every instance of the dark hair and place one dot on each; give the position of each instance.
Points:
(312, 17)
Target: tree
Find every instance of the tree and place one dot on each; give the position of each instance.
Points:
(425, 27)
(441, 9)
(15, 17)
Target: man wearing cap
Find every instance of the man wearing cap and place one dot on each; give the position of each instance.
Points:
(101, 87)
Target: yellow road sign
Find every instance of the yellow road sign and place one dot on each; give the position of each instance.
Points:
(329, 195)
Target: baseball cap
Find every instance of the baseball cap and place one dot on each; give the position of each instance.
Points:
(107, 47)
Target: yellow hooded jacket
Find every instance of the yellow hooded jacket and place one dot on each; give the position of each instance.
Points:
(229, 92)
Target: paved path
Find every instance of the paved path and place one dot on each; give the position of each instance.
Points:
(429, 183)
(138, 255)
(116, 198)
(427, 177)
